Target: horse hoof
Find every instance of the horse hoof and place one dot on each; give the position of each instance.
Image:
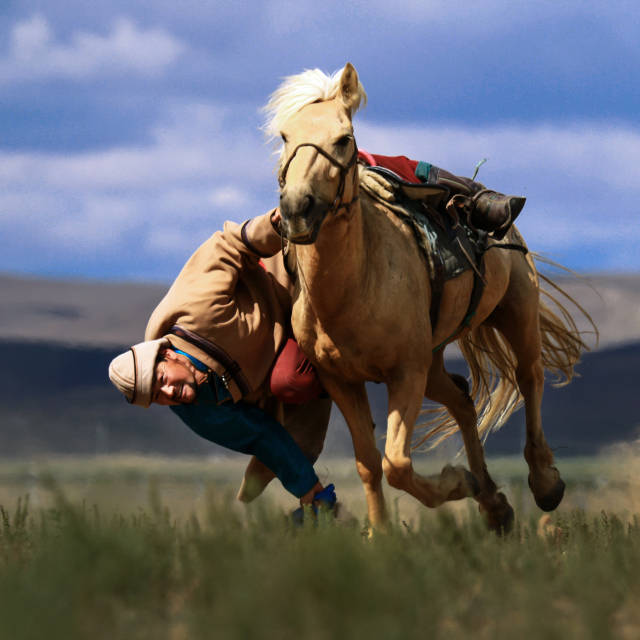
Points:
(458, 483)
(500, 517)
(552, 499)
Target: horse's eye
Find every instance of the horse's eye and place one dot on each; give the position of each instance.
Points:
(284, 138)
(343, 142)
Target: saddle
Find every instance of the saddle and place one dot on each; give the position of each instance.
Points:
(447, 242)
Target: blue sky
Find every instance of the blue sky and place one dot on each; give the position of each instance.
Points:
(129, 131)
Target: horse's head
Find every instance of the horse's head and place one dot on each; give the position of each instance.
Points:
(318, 173)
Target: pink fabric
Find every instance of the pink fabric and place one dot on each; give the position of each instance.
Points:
(293, 378)
(367, 158)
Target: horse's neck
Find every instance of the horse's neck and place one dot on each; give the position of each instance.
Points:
(334, 267)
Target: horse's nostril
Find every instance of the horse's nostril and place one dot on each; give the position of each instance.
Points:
(294, 205)
(307, 204)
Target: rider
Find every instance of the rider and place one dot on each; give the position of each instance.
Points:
(218, 350)
(486, 209)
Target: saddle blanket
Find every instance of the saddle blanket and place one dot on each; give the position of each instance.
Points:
(449, 247)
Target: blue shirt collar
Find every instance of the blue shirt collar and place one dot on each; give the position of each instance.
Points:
(200, 366)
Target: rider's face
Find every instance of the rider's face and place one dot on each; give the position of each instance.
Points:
(175, 382)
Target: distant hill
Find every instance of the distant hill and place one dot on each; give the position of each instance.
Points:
(80, 312)
(58, 400)
(57, 338)
(105, 314)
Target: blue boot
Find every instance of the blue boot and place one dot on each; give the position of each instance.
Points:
(324, 500)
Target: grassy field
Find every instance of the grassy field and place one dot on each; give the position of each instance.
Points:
(157, 548)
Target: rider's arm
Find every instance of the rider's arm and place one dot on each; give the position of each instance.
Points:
(204, 293)
(237, 247)
(248, 429)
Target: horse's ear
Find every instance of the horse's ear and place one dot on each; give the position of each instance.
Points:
(348, 89)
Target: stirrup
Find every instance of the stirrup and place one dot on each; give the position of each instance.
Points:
(495, 212)
(516, 204)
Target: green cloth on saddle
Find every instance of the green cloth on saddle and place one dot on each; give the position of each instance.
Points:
(423, 170)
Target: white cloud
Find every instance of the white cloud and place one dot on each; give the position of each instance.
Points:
(34, 53)
(228, 196)
(207, 151)
(30, 38)
(431, 17)
(582, 183)
(98, 223)
(170, 194)
(592, 152)
(169, 242)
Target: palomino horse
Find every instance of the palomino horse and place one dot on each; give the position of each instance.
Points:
(361, 312)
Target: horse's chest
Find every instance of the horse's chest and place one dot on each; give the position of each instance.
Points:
(342, 353)
(344, 358)
(359, 342)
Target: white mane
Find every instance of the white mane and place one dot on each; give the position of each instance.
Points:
(299, 90)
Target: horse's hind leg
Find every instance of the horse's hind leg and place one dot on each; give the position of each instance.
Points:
(442, 388)
(517, 319)
(453, 483)
(544, 479)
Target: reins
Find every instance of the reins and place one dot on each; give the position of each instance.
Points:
(337, 202)
(508, 245)
(343, 168)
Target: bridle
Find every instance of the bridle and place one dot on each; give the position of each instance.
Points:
(343, 168)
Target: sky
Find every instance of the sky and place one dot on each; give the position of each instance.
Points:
(130, 130)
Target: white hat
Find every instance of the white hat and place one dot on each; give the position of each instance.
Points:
(133, 372)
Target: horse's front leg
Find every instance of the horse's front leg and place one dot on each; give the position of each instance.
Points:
(453, 483)
(353, 402)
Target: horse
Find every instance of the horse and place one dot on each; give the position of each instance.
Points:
(361, 312)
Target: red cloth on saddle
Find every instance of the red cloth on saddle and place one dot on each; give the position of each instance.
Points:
(294, 379)
(403, 166)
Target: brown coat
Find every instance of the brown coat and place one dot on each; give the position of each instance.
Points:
(225, 296)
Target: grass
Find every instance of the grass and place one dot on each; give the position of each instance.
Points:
(155, 567)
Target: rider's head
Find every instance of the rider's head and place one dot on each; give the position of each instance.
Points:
(152, 372)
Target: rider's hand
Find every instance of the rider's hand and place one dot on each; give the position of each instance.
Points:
(307, 498)
(276, 220)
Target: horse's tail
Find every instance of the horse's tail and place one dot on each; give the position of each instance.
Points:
(492, 365)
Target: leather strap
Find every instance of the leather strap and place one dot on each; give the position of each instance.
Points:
(342, 168)
(508, 245)
(232, 369)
